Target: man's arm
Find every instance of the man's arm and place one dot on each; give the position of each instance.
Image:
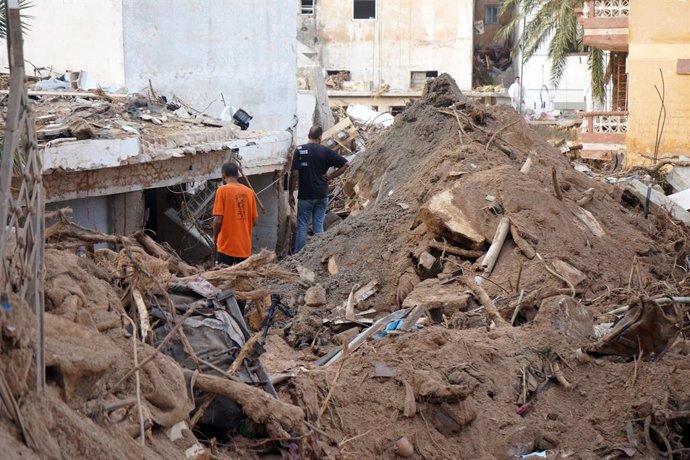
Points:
(337, 172)
(292, 186)
(217, 224)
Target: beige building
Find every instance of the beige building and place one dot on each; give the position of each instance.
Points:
(645, 39)
(386, 50)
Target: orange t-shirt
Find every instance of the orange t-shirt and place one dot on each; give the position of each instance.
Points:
(237, 204)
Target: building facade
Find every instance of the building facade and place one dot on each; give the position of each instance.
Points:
(649, 49)
(386, 50)
(194, 50)
(202, 52)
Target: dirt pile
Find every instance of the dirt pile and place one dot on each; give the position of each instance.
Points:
(123, 379)
(425, 202)
(467, 305)
(473, 153)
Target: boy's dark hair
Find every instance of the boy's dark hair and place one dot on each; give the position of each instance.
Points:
(315, 132)
(230, 170)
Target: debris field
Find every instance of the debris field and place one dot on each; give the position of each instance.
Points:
(480, 299)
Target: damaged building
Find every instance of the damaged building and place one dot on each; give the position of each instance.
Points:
(133, 166)
(644, 55)
(380, 53)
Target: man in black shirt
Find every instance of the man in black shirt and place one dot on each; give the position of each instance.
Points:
(310, 165)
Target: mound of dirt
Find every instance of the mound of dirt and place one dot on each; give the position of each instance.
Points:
(425, 202)
(473, 153)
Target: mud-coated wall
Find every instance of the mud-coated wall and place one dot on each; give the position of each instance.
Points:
(659, 36)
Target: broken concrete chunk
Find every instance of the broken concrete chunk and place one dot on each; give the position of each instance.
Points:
(79, 128)
(332, 266)
(657, 198)
(451, 419)
(442, 215)
(406, 284)
(569, 272)
(182, 113)
(345, 336)
(315, 296)
(679, 177)
(305, 274)
(432, 294)
(566, 316)
(427, 261)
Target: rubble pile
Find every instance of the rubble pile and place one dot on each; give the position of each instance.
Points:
(142, 351)
(466, 224)
(482, 299)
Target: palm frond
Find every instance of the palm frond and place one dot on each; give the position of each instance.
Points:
(565, 41)
(23, 5)
(550, 23)
(596, 69)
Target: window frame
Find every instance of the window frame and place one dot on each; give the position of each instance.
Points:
(498, 15)
(427, 75)
(376, 12)
(302, 8)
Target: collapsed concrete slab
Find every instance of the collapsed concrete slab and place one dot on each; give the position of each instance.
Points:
(432, 294)
(443, 215)
(657, 198)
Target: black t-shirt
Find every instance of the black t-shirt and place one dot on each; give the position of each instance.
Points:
(313, 161)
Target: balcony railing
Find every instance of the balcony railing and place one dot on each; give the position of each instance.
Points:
(605, 122)
(605, 23)
(603, 133)
(611, 8)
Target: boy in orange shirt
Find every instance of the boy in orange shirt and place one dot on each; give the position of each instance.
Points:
(234, 216)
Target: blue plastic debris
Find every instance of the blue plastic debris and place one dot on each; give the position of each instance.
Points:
(392, 326)
(5, 303)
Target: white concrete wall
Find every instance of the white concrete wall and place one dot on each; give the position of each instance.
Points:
(198, 49)
(570, 92)
(74, 35)
(407, 35)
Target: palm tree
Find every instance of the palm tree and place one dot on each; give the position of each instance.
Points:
(552, 22)
(18, 160)
(23, 4)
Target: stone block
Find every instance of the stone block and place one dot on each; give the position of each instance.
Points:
(315, 296)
